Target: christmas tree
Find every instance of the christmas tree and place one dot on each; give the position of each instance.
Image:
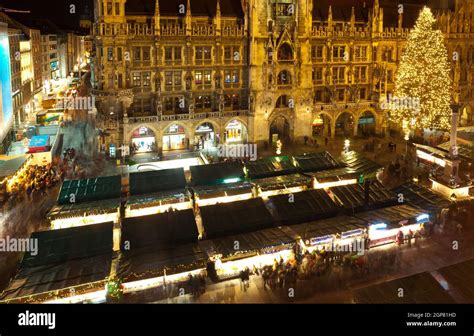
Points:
(423, 85)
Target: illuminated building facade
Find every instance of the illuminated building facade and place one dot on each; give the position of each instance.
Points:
(187, 72)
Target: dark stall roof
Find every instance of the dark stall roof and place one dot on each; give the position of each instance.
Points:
(10, 167)
(65, 258)
(280, 182)
(359, 163)
(465, 151)
(419, 196)
(93, 189)
(198, 7)
(306, 206)
(315, 162)
(217, 173)
(71, 243)
(418, 288)
(391, 215)
(271, 166)
(164, 229)
(257, 241)
(150, 262)
(228, 189)
(328, 226)
(352, 196)
(236, 217)
(459, 278)
(157, 180)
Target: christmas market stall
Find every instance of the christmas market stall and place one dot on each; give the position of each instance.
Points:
(285, 184)
(332, 234)
(222, 193)
(12, 170)
(87, 201)
(419, 196)
(157, 191)
(414, 289)
(302, 207)
(159, 249)
(236, 217)
(312, 162)
(459, 278)
(361, 166)
(259, 248)
(268, 167)
(333, 177)
(384, 225)
(217, 173)
(68, 265)
(367, 196)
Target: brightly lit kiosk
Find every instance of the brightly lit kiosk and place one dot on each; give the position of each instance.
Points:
(384, 224)
(450, 184)
(222, 193)
(233, 254)
(287, 184)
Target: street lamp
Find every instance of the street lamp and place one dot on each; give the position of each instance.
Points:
(347, 144)
(407, 137)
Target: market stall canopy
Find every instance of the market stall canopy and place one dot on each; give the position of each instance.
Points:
(271, 166)
(392, 216)
(418, 288)
(282, 182)
(302, 207)
(253, 242)
(459, 279)
(465, 151)
(311, 162)
(217, 173)
(359, 164)
(237, 217)
(159, 198)
(421, 197)
(84, 209)
(65, 258)
(149, 262)
(10, 165)
(93, 189)
(222, 190)
(329, 226)
(354, 198)
(164, 230)
(39, 143)
(157, 180)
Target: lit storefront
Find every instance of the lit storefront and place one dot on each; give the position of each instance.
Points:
(235, 132)
(143, 140)
(205, 136)
(175, 138)
(157, 203)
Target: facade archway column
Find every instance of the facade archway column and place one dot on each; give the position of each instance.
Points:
(333, 128)
(355, 127)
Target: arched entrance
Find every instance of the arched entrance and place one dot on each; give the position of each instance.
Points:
(205, 136)
(366, 124)
(344, 124)
(280, 129)
(174, 138)
(321, 125)
(143, 140)
(235, 132)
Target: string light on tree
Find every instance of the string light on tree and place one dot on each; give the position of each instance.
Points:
(423, 76)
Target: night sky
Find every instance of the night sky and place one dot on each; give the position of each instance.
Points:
(55, 10)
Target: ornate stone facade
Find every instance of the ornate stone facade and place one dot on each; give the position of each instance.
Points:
(287, 67)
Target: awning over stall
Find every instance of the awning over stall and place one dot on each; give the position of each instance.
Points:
(84, 209)
(418, 288)
(164, 229)
(253, 242)
(162, 198)
(465, 151)
(157, 180)
(282, 182)
(353, 197)
(419, 196)
(217, 173)
(222, 190)
(359, 164)
(329, 226)
(65, 258)
(9, 166)
(311, 162)
(236, 217)
(460, 277)
(392, 216)
(87, 190)
(302, 207)
(271, 166)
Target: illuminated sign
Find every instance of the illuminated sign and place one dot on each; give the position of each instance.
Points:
(423, 217)
(321, 240)
(352, 233)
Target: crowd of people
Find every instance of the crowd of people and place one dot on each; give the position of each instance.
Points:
(33, 182)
